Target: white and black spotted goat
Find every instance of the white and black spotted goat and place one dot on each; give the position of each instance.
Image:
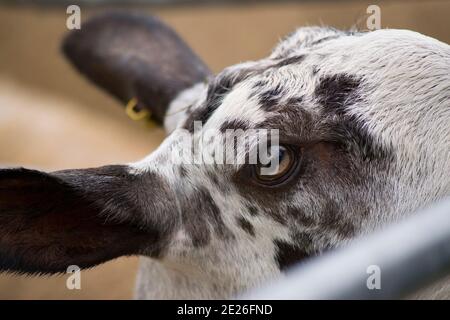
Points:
(364, 131)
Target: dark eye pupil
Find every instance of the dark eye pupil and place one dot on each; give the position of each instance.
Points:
(274, 173)
(281, 154)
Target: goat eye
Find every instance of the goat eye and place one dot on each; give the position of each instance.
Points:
(273, 173)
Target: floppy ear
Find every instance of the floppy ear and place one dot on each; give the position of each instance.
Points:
(135, 56)
(49, 221)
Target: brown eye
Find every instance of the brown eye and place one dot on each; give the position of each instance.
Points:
(273, 174)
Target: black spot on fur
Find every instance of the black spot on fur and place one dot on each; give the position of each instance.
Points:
(305, 240)
(301, 217)
(217, 90)
(354, 138)
(336, 92)
(294, 101)
(324, 39)
(259, 84)
(209, 207)
(253, 210)
(289, 61)
(222, 186)
(201, 114)
(288, 254)
(200, 212)
(246, 226)
(183, 171)
(214, 179)
(278, 216)
(269, 100)
(315, 70)
(234, 124)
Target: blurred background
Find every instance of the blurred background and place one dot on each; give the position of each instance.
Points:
(51, 118)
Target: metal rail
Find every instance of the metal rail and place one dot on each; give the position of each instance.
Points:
(410, 255)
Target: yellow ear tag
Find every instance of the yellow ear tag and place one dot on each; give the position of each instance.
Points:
(139, 115)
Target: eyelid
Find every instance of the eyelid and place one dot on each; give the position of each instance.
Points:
(294, 141)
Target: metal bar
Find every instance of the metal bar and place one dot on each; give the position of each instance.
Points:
(410, 255)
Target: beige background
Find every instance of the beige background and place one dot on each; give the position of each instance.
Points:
(50, 118)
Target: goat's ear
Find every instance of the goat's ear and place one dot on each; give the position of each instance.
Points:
(135, 56)
(49, 221)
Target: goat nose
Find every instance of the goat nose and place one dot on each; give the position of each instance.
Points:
(82, 216)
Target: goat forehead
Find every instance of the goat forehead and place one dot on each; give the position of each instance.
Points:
(271, 82)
